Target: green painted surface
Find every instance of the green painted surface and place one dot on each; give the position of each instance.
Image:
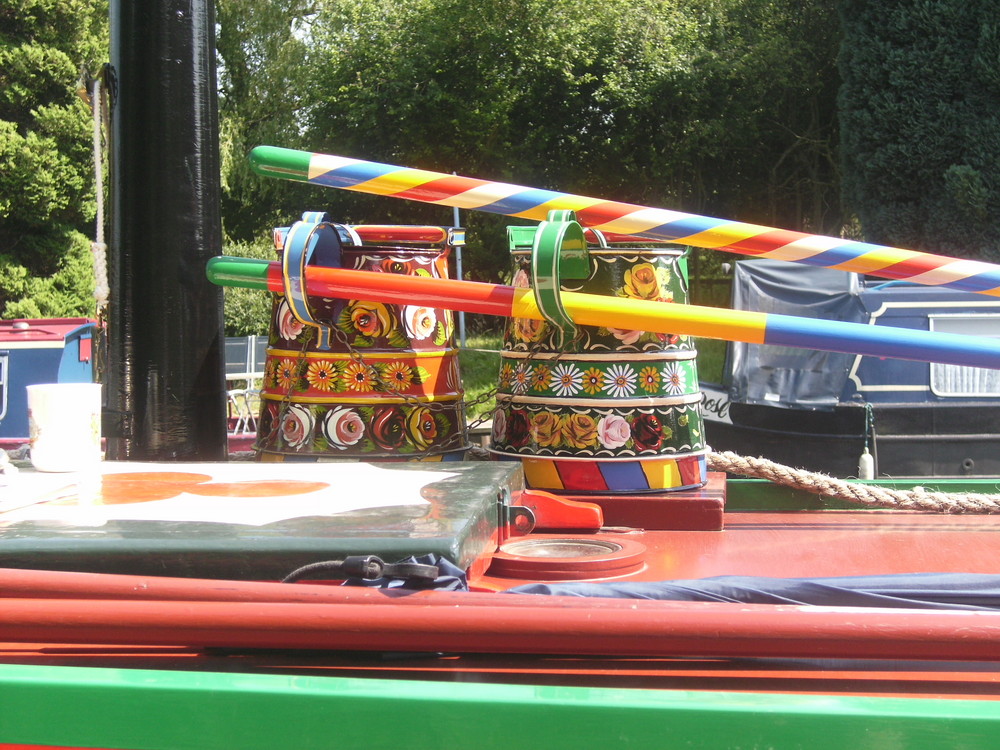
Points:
(764, 495)
(159, 710)
(272, 161)
(458, 522)
(248, 273)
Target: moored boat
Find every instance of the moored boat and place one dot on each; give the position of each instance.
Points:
(823, 410)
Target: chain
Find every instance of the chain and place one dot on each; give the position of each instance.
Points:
(456, 440)
(506, 399)
(286, 399)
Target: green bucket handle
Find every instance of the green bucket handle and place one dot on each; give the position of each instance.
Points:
(559, 251)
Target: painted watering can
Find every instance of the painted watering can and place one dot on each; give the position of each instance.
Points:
(357, 379)
(597, 408)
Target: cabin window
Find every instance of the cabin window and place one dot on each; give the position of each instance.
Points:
(956, 381)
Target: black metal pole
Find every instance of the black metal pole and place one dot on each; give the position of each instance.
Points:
(165, 380)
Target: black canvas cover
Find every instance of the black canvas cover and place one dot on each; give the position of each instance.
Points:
(787, 376)
(973, 591)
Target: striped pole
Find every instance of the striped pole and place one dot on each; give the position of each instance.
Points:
(625, 218)
(599, 310)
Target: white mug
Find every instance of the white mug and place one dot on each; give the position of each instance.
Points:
(64, 421)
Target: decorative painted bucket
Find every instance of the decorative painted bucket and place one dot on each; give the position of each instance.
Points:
(351, 379)
(608, 410)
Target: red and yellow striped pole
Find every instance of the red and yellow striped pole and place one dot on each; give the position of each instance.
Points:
(599, 310)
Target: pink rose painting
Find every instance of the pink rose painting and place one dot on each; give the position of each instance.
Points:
(613, 431)
(626, 336)
(499, 425)
(343, 427)
(289, 327)
(297, 425)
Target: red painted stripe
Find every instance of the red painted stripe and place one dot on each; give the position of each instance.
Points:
(762, 243)
(18, 746)
(389, 233)
(444, 187)
(904, 269)
(581, 475)
(690, 470)
(517, 624)
(601, 213)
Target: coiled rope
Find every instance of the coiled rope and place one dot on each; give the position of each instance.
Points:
(869, 495)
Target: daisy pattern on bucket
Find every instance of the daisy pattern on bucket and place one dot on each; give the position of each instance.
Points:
(566, 380)
(649, 379)
(522, 378)
(620, 381)
(541, 378)
(322, 375)
(674, 381)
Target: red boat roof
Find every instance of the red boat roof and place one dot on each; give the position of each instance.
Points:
(40, 329)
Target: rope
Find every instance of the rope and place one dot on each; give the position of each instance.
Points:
(98, 248)
(868, 495)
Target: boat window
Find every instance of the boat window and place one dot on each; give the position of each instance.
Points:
(958, 381)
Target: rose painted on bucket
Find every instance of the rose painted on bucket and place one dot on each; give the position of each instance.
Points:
(421, 427)
(625, 335)
(297, 424)
(419, 321)
(371, 319)
(388, 428)
(647, 432)
(518, 428)
(546, 429)
(613, 431)
(528, 330)
(500, 425)
(289, 327)
(579, 430)
(646, 281)
(343, 427)
(395, 265)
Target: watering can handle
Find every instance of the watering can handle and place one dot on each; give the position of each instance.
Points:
(301, 243)
(559, 252)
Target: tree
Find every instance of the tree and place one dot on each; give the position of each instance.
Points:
(723, 107)
(262, 49)
(47, 48)
(920, 114)
(248, 311)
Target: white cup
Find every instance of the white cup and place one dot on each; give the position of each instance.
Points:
(64, 420)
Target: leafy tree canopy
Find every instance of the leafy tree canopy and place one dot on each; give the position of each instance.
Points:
(713, 106)
(46, 185)
(920, 115)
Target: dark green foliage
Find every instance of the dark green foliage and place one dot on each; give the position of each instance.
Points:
(46, 165)
(920, 118)
(723, 107)
(248, 311)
